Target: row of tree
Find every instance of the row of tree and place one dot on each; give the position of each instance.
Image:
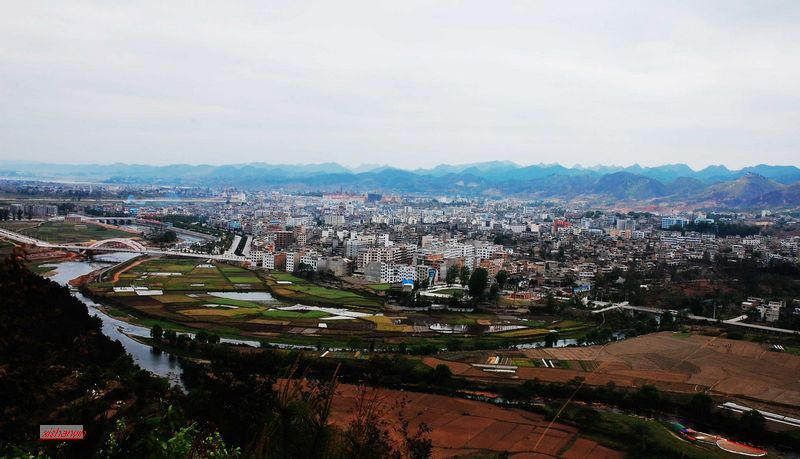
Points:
(476, 281)
(6, 214)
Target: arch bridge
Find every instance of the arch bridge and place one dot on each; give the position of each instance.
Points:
(127, 243)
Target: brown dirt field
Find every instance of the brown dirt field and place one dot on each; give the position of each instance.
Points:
(585, 449)
(736, 369)
(729, 367)
(269, 322)
(456, 367)
(466, 427)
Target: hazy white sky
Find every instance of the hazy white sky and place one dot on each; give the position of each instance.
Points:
(406, 83)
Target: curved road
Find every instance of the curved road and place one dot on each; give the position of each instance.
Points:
(22, 239)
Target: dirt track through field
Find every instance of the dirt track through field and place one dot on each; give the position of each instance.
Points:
(127, 268)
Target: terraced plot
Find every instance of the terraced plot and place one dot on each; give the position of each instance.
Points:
(216, 296)
(187, 275)
(200, 294)
(296, 289)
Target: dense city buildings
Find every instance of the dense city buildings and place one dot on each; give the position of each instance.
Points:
(546, 248)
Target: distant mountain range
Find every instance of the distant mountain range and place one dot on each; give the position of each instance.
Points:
(761, 185)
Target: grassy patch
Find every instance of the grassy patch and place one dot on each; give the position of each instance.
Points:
(792, 349)
(40, 268)
(383, 323)
(228, 269)
(301, 290)
(524, 362)
(379, 287)
(642, 438)
(244, 280)
(175, 299)
(279, 314)
(223, 312)
(191, 278)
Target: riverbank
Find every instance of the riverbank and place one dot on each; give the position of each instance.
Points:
(160, 364)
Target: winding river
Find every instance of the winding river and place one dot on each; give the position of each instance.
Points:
(153, 360)
(160, 363)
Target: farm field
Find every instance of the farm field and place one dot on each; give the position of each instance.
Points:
(186, 275)
(293, 288)
(723, 366)
(219, 297)
(193, 293)
(61, 232)
(468, 428)
(670, 361)
(379, 287)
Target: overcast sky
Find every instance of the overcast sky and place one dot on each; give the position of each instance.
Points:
(404, 83)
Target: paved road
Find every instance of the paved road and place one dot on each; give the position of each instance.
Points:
(20, 238)
(736, 321)
(234, 245)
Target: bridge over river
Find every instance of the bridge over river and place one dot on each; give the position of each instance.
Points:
(114, 245)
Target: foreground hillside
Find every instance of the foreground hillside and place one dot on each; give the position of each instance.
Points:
(56, 367)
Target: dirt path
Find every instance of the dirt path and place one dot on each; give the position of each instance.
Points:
(117, 274)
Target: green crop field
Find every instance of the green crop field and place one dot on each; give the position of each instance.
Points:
(244, 279)
(302, 290)
(211, 299)
(278, 314)
(379, 287)
(186, 301)
(187, 275)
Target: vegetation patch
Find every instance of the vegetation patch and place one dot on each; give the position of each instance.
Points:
(201, 312)
(379, 287)
(280, 314)
(175, 299)
(301, 290)
(383, 323)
